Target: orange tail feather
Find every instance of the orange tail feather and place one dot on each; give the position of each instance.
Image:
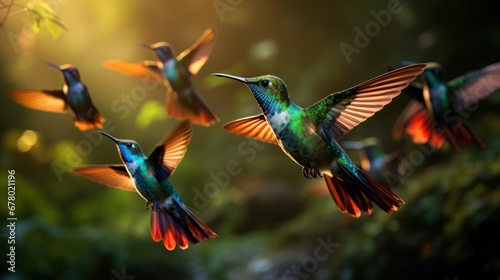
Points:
(90, 120)
(189, 107)
(173, 223)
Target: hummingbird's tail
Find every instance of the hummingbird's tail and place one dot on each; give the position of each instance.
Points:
(189, 106)
(88, 120)
(422, 127)
(461, 133)
(356, 192)
(173, 223)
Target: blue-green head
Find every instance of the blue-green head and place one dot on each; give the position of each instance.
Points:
(69, 71)
(163, 50)
(433, 74)
(270, 91)
(129, 150)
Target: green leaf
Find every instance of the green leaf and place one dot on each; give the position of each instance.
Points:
(42, 14)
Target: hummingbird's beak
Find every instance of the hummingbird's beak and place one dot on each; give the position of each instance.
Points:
(54, 65)
(146, 46)
(243, 80)
(109, 136)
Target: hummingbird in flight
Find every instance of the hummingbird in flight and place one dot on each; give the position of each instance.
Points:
(373, 159)
(438, 108)
(309, 135)
(74, 95)
(183, 100)
(171, 220)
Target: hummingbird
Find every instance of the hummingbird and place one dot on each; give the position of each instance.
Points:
(309, 135)
(438, 108)
(373, 159)
(183, 100)
(171, 220)
(73, 94)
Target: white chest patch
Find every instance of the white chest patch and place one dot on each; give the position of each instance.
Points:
(132, 167)
(170, 63)
(279, 121)
(78, 87)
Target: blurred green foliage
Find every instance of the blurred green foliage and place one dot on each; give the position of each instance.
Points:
(270, 220)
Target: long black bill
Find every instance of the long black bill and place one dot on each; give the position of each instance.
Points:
(243, 80)
(54, 65)
(109, 136)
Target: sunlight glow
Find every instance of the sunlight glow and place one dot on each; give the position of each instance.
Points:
(26, 141)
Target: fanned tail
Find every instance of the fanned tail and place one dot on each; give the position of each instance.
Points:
(355, 195)
(89, 120)
(422, 127)
(461, 133)
(189, 106)
(173, 223)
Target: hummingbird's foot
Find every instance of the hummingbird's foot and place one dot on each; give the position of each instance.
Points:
(311, 173)
(149, 205)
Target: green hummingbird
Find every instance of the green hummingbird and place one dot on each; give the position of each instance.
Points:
(436, 113)
(183, 100)
(171, 220)
(308, 135)
(74, 95)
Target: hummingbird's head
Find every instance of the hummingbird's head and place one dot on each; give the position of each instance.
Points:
(162, 49)
(70, 72)
(270, 91)
(129, 149)
(433, 74)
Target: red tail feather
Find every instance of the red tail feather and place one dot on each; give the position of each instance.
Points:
(173, 223)
(355, 195)
(460, 132)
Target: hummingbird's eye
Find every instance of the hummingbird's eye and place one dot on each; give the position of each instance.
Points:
(266, 83)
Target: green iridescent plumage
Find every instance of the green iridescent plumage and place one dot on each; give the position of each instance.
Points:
(171, 221)
(308, 135)
(436, 115)
(183, 101)
(74, 95)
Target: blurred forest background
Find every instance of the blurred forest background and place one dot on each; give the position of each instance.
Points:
(270, 220)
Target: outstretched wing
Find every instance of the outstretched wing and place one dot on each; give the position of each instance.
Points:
(254, 127)
(476, 85)
(115, 176)
(340, 112)
(170, 153)
(44, 100)
(195, 56)
(147, 69)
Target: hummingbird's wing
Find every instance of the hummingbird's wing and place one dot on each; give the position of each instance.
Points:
(416, 91)
(254, 127)
(170, 152)
(339, 112)
(147, 69)
(195, 56)
(45, 100)
(413, 108)
(476, 85)
(416, 121)
(115, 176)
